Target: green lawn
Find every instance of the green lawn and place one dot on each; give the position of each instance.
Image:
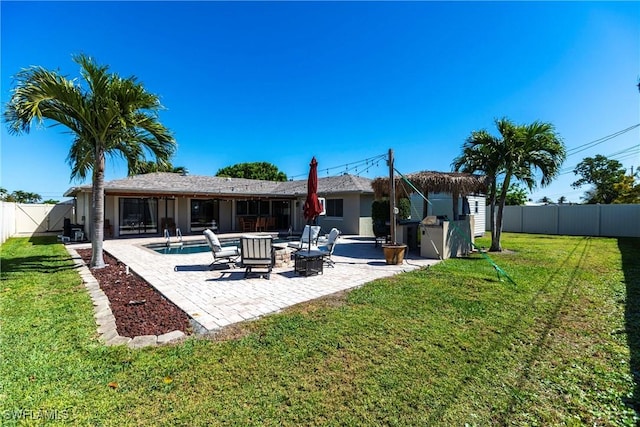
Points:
(448, 345)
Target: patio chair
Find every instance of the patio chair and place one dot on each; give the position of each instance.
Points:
(247, 223)
(261, 223)
(271, 223)
(303, 243)
(332, 241)
(257, 252)
(221, 255)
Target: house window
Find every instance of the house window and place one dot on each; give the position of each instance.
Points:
(334, 207)
(252, 207)
(476, 207)
(203, 212)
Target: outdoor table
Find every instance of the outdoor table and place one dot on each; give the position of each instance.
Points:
(308, 263)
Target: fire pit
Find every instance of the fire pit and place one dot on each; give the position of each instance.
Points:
(282, 255)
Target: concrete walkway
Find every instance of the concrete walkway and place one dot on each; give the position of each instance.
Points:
(220, 297)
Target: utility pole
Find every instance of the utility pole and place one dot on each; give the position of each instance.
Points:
(392, 198)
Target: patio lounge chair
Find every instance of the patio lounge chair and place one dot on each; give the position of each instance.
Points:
(332, 241)
(303, 243)
(221, 255)
(257, 252)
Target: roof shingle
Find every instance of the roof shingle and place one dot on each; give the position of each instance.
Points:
(175, 183)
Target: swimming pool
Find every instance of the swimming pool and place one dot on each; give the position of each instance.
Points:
(194, 247)
(175, 249)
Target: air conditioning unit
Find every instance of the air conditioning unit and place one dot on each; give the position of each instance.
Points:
(323, 203)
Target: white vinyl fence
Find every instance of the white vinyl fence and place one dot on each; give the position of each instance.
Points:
(7, 220)
(572, 220)
(27, 219)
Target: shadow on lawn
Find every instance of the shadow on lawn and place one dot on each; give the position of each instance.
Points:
(630, 250)
(36, 263)
(43, 240)
(40, 264)
(538, 347)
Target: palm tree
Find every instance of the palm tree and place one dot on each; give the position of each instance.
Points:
(149, 166)
(479, 154)
(518, 154)
(109, 115)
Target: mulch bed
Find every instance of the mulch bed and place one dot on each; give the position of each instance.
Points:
(139, 308)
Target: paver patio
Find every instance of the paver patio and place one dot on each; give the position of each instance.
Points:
(217, 298)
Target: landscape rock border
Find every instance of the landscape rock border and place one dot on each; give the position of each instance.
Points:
(105, 319)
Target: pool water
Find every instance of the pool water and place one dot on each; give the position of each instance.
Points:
(194, 247)
(180, 249)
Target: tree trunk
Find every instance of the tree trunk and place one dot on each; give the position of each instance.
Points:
(496, 245)
(97, 223)
(492, 204)
(454, 198)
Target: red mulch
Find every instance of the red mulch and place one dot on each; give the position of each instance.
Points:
(139, 308)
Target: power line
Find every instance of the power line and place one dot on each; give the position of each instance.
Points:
(623, 154)
(599, 141)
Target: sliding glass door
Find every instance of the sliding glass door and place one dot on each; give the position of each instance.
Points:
(138, 216)
(203, 213)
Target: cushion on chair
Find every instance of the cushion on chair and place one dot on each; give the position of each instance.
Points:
(213, 240)
(333, 236)
(227, 252)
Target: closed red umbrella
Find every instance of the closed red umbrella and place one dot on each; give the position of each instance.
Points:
(312, 207)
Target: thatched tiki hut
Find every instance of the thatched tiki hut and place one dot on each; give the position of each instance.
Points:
(457, 183)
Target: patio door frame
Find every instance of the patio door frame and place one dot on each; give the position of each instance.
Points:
(138, 218)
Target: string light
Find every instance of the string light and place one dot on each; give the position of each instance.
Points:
(357, 168)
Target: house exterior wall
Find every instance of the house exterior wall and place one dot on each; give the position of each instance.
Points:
(365, 226)
(356, 218)
(226, 223)
(83, 213)
(356, 214)
(111, 205)
(349, 223)
(183, 214)
(297, 217)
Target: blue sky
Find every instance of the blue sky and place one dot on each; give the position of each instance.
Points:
(284, 81)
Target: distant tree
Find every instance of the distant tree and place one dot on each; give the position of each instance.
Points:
(516, 195)
(404, 208)
(562, 200)
(142, 166)
(628, 191)
(3, 194)
(602, 173)
(545, 200)
(380, 214)
(51, 202)
(20, 196)
(180, 169)
(517, 154)
(107, 115)
(256, 170)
